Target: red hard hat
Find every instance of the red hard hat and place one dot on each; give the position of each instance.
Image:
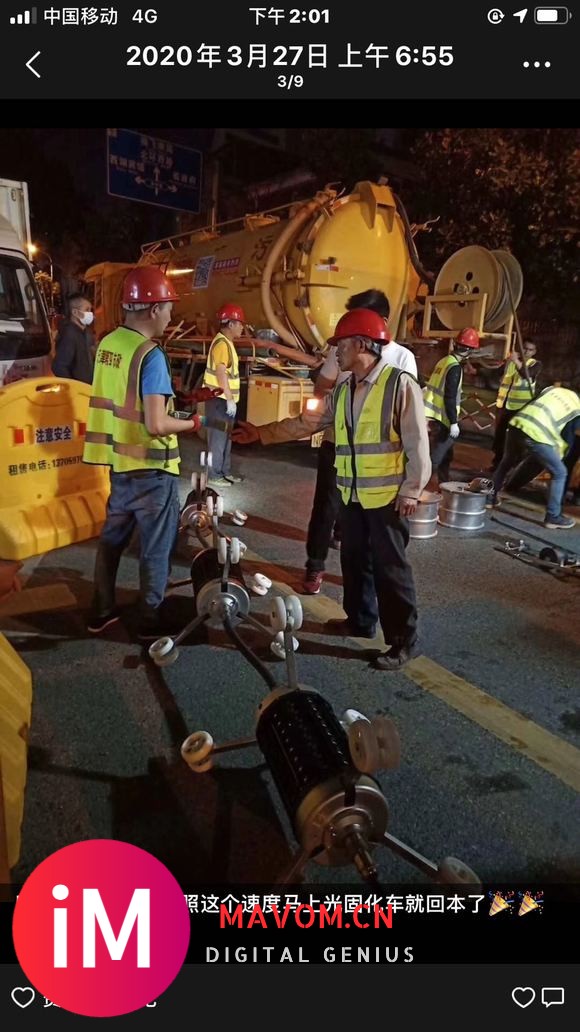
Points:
(147, 285)
(231, 313)
(361, 322)
(468, 338)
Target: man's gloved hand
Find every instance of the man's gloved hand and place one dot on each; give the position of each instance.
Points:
(454, 430)
(231, 409)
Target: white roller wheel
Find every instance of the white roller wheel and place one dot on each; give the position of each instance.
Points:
(219, 507)
(295, 642)
(350, 715)
(278, 648)
(258, 590)
(239, 517)
(388, 741)
(455, 872)
(278, 615)
(194, 481)
(364, 747)
(222, 551)
(160, 648)
(202, 459)
(235, 551)
(197, 750)
(294, 609)
(243, 549)
(202, 481)
(169, 659)
(209, 505)
(209, 460)
(261, 581)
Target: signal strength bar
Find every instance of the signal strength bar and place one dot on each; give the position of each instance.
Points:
(26, 18)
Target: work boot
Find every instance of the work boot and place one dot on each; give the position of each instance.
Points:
(559, 522)
(396, 657)
(233, 479)
(97, 622)
(342, 628)
(312, 582)
(219, 482)
(156, 624)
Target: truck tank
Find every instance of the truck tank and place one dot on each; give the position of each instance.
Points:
(293, 269)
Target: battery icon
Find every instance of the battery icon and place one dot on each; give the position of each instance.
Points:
(551, 15)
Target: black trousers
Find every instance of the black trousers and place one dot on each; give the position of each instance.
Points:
(503, 418)
(441, 450)
(377, 577)
(324, 510)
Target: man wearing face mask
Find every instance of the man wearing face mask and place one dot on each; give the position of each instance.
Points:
(132, 430)
(75, 344)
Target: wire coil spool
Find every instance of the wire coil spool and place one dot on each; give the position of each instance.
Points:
(473, 271)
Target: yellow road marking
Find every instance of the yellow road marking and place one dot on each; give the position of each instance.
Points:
(542, 747)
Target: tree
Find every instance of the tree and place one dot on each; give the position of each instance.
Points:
(516, 189)
(344, 155)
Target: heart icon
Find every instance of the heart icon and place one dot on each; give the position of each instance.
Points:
(23, 996)
(523, 995)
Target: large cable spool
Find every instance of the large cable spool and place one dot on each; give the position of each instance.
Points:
(472, 271)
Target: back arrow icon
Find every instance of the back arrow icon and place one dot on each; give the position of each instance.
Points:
(29, 64)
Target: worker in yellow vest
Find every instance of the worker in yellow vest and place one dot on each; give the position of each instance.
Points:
(223, 372)
(540, 434)
(442, 398)
(514, 392)
(324, 525)
(132, 430)
(382, 465)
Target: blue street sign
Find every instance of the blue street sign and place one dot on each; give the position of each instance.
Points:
(144, 168)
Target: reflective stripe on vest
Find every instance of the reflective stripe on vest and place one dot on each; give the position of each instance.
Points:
(116, 433)
(515, 387)
(233, 369)
(376, 467)
(434, 396)
(544, 418)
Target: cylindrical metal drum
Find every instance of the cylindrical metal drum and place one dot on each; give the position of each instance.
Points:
(324, 795)
(461, 508)
(424, 523)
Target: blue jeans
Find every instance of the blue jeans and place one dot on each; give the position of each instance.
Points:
(521, 455)
(148, 500)
(219, 443)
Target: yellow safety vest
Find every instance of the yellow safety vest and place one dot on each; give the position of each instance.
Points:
(370, 458)
(544, 418)
(233, 368)
(434, 395)
(514, 387)
(116, 432)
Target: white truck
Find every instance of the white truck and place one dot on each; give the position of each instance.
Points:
(25, 340)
